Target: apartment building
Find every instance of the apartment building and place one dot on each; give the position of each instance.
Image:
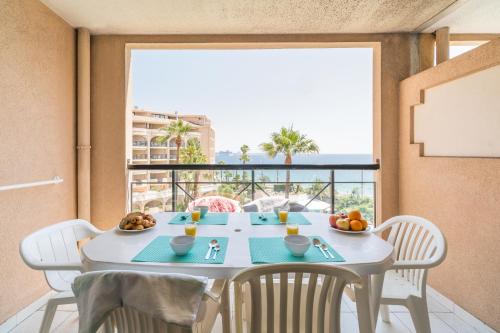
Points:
(150, 188)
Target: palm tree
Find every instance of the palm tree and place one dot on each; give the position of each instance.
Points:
(288, 142)
(192, 154)
(178, 130)
(244, 158)
(244, 154)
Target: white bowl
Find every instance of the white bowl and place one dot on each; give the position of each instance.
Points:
(181, 244)
(203, 210)
(297, 244)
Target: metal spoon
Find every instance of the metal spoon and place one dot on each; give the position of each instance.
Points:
(211, 245)
(317, 243)
(324, 247)
(216, 250)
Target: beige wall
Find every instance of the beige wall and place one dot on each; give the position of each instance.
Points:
(469, 107)
(460, 195)
(37, 137)
(108, 88)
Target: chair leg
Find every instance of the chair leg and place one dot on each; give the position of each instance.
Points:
(384, 312)
(419, 314)
(48, 316)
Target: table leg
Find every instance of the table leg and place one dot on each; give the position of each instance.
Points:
(377, 282)
(363, 305)
(226, 309)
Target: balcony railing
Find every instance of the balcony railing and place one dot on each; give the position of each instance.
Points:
(159, 156)
(140, 143)
(324, 188)
(140, 156)
(158, 144)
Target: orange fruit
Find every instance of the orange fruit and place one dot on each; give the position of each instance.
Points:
(356, 225)
(354, 215)
(364, 223)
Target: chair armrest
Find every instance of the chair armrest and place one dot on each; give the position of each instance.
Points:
(68, 266)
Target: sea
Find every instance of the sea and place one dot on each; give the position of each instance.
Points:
(341, 176)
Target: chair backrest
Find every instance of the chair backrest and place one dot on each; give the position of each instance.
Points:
(54, 249)
(291, 297)
(134, 301)
(127, 319)
(418, 245)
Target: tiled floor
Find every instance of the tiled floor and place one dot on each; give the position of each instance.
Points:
(442, 320)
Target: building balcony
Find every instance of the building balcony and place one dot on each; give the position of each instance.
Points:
(137, 157)
(159, 156)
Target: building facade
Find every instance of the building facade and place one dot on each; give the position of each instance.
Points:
(150, 190)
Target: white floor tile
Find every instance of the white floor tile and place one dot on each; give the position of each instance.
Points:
(348, 323)
(435, 306)
(8, 325)
(395, 326)
(70, 325)
(456, 323)
(344, 307)
(437, 325)
(349, 304)
(397, 308)
(32, 323)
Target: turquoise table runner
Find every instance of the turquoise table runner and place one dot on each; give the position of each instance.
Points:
(210, 218)
(272, 250)
(159, 250)
(272, 219)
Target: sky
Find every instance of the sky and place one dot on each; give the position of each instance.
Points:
(326, 94)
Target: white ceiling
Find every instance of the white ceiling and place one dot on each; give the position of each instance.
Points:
(273, 16)
(471, 16)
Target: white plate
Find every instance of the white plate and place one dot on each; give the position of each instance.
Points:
(368, 229)
(132, 231)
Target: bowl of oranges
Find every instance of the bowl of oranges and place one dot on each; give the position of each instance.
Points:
(352, 222)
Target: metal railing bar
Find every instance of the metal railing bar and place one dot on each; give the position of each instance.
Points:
(256, 184)
(317, 194)
(248, 185)
(183, 190)
(326, 167)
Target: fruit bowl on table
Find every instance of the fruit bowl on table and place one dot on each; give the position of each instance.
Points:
(351, 223)
(368, 229)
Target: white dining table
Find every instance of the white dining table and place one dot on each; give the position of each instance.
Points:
(366, 254)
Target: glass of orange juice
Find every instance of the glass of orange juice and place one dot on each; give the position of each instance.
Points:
(190, 228)
(292, 229)
(196, 215)
(283, 215)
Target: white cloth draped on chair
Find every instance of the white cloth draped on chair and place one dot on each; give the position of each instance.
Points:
(172, 299)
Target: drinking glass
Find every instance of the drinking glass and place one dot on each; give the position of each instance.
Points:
(196, 214)
(190, 228)
(283, 215)
(292, 229)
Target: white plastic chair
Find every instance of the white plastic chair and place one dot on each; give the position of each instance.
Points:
(54, 250)
(309, 297)
(128, 319)
(418, 246)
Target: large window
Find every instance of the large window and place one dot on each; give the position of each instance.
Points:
(234, 100)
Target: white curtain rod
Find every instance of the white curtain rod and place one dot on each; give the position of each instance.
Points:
(55, 180)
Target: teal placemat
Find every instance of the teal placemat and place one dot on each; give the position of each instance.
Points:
(271, 218)
(272, 250)
(159, 250)
(210, 218)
